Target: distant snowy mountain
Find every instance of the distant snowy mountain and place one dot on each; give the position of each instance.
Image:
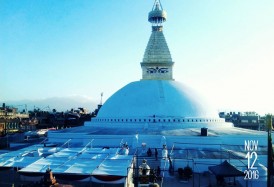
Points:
(58, 103)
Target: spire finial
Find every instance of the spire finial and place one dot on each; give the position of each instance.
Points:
(157, 15)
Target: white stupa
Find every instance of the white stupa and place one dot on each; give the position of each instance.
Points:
(157, 99)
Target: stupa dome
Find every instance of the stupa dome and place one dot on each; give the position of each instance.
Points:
(155, 98)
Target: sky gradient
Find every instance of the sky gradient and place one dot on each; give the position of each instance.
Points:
(223, 49)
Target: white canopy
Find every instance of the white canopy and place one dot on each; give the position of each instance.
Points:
(80, 161)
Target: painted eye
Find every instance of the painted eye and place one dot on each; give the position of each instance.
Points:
(163, 70)
(151, 70)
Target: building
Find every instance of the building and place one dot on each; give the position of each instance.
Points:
(158, 114)
(10, 119)
(248, 120)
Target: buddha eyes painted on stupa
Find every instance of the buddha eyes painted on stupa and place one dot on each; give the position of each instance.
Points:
(157, 70)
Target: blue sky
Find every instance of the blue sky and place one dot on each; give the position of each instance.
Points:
(223, 49)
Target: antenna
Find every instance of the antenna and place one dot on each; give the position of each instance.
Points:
(101, 101)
